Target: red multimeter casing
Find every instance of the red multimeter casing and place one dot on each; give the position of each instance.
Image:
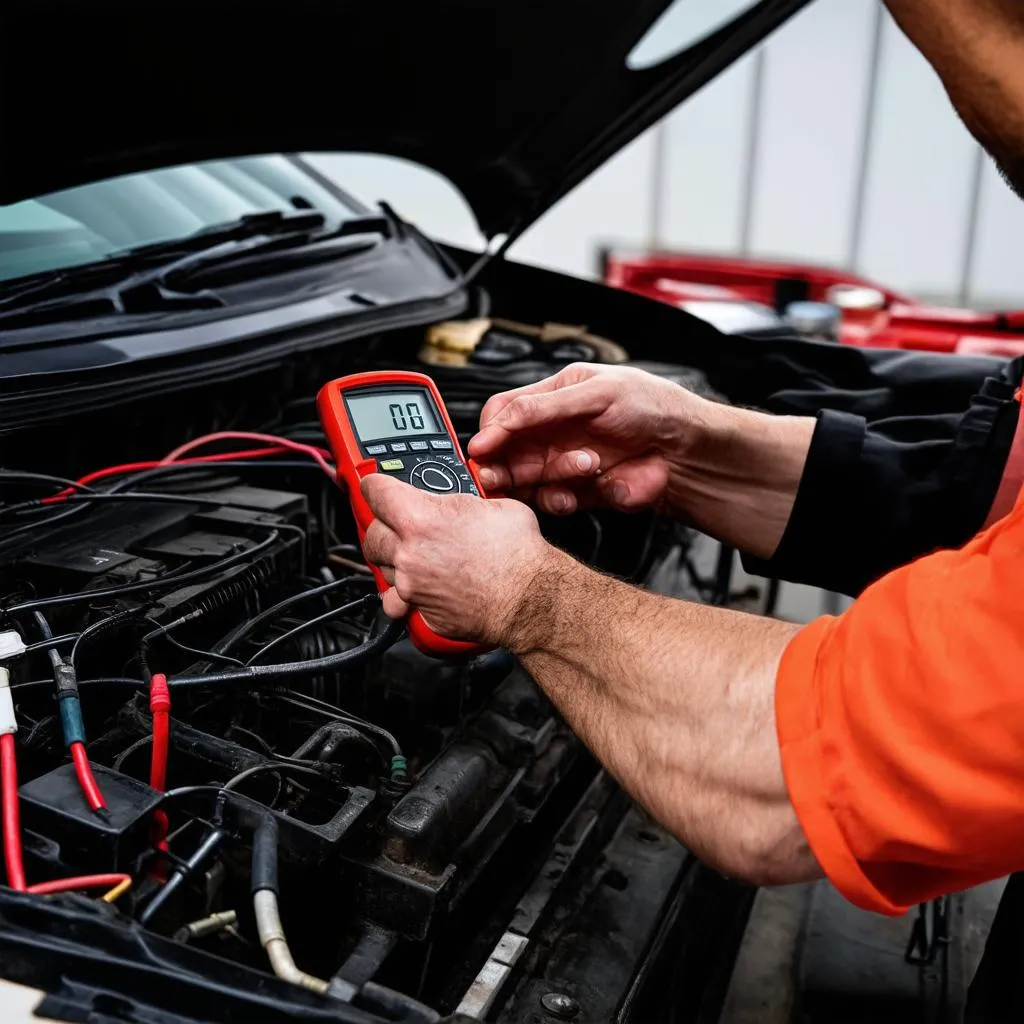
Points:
(395, 422)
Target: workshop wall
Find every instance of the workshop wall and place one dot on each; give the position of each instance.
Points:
(834, 143)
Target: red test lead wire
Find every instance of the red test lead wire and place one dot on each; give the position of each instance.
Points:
(320, 455)
(80, 882)
(139, 467)
(11, 817)
(86, 779)
(160, 708)
(13, 861)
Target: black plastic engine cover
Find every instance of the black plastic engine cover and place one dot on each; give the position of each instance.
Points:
(53, 806)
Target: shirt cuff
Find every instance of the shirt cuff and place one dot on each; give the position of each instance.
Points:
(805, 767)
(833, 458)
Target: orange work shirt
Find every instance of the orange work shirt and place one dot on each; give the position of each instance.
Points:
(901, 726)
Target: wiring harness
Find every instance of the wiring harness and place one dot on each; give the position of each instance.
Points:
(126, 484)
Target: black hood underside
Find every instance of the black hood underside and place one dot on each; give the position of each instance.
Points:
(514, 101)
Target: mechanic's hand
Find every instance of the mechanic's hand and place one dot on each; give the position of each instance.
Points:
(589, 435)
(466, 564)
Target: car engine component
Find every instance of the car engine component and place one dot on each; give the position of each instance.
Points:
(222, 747)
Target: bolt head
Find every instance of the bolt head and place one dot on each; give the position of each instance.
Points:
(559, 1005)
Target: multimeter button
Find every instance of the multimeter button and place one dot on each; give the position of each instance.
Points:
(441, 446)
(390, 465)
(376, 449)
(418, 446)
(399, 446)
(432, 476)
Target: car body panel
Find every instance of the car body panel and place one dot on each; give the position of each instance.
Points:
(683, 279)
(514, 102)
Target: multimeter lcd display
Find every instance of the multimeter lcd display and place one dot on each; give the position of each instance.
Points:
(395, 414)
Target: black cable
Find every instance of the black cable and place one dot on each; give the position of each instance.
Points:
(170, 580)
(332, 613)
(375, 645)
(45, 645)
(145, 475)
(47, 634)
(224, 659)
(308, 703)
(312, 768)
(129, 478)
(205, 850)
(101, 626)
(47, 684)
(164, 631)
(134, 496)
(244, 629)
(145, 741)
(48, 522)
(45, 478)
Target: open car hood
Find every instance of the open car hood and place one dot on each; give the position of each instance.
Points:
(514, 101)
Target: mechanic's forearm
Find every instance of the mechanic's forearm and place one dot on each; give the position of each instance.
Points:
(677, 701)
(737, 478)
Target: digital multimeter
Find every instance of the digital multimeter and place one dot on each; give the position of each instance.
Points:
(395, 422)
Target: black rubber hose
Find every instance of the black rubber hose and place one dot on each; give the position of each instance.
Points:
(386, 638)
(207, 848)
(264, 855)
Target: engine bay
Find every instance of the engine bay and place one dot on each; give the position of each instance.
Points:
(221, 743)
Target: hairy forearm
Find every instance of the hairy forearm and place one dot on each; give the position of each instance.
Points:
(677, 701)
(737, 478)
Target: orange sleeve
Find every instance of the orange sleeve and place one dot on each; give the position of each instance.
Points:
(901, 726)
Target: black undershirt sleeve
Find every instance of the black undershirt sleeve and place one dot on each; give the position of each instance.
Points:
(900, 464)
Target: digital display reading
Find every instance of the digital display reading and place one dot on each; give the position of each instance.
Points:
(398, 414)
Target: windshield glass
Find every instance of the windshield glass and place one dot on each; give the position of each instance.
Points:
(82, 225)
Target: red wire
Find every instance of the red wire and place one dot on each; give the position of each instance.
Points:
(86, 779)
(81, 882)
(160, 706)
(137, 467)
(245, 435)
(11, 816)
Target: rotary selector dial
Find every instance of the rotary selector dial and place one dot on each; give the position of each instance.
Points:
(442, 474)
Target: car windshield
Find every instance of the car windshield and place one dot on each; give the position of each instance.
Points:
(82, 225)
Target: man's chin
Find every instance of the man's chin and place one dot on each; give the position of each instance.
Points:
(1012, 172)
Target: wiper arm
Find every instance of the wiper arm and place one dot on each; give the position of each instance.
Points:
(257, 253)
(114, 265)
(249, 225)
(138, 280)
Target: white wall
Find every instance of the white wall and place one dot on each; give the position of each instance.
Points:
(806, 148)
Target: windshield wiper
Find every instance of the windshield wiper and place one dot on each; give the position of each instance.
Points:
(138, 280)
(117, 263)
